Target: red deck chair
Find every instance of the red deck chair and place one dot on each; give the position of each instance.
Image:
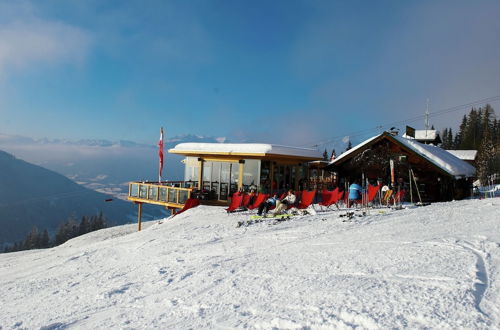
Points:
(246, 200)
(258, 200)
(372, 192)
(398, 198)
(325, 194)
(306, 199)
(330, 198)
(235, 202)
(190, 203)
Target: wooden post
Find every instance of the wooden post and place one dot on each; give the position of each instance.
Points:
(200, 174)
(139, 216)
(240, 175)
(271, 176)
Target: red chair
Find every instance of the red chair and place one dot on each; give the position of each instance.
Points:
(190, 203)
(258, 200)
(306, 199)
(398, 198)
(330, 198)
(246, 200)
(372, 192)
(235, 202)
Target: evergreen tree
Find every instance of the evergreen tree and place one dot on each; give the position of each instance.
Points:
(32, 240)
(84, 226)
(325, 155)
(485, 162)
(333, 155)
(449, 139)
(44, 239)
(349, 146)
(444, 143)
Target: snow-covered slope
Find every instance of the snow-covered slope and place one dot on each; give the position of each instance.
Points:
(431, 267)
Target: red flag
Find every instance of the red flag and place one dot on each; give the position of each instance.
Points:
(160, 153)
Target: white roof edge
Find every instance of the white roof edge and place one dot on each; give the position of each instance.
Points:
(247, 148)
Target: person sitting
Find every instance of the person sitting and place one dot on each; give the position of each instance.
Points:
(252, 195)
(265, 206)
(354, 193)
(289, 199)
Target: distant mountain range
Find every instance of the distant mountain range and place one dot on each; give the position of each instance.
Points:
(102, 165)
(34, 196)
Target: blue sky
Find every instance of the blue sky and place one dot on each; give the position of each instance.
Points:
(292, 72)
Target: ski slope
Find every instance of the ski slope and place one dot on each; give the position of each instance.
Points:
(429, 267)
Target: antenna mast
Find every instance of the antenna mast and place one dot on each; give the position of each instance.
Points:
(427, 118)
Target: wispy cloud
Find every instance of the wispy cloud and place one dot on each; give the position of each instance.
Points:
(26, 39)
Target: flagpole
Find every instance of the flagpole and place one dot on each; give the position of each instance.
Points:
(160, 154)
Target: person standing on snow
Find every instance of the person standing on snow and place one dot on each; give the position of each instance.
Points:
(354, 192)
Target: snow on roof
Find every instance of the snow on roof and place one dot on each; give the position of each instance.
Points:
(439, 157)
(424, 135)
(464, 154)
(245, 148)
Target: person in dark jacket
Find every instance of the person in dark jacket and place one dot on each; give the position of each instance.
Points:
(265, 206)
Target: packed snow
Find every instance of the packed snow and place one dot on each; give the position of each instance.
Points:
(428, 267)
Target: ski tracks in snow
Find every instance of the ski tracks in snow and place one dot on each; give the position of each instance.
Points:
(481, 283)
(481, 278)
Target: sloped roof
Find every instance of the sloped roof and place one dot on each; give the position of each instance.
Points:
(435, 155)
(464, 154)
(242, 149)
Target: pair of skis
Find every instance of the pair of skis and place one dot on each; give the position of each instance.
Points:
(258, 218)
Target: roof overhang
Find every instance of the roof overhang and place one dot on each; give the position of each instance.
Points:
(245, 150)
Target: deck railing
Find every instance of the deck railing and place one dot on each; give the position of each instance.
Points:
(172, 193)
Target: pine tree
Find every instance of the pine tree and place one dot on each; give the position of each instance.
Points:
(444, 143)
(349, 146)
(325, 155)
(32, 240)
(333, 155)
(44, 239)
(84, 226)
(449, 138)
(485, 162)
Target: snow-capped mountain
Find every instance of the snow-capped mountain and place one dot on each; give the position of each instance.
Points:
(102, 165)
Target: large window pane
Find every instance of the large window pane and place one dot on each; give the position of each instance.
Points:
(251, 173)
(191, 169)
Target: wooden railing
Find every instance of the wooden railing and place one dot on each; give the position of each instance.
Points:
(170, 194)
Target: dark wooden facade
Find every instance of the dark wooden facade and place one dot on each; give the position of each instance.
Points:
(372, 161)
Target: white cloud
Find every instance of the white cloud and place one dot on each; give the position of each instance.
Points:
(30, 40)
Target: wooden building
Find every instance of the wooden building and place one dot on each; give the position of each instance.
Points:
(440, 175)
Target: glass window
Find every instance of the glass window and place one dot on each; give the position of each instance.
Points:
(152, 192)
(191, 169)
(251, 173)
(134, 190)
